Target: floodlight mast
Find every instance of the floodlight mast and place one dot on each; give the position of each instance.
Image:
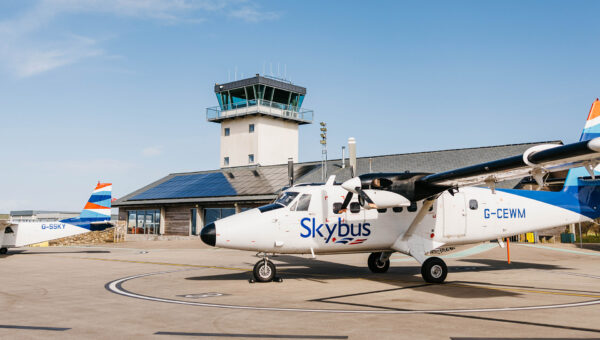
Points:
(324, 150)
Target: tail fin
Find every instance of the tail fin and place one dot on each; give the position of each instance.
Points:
(591, 130)
(98, 206)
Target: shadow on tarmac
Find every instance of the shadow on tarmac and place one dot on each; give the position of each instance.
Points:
(292, 267)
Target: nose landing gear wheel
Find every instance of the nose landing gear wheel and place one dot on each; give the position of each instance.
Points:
(3, 251)
(264, 271)
(375, 265)
(434, 270)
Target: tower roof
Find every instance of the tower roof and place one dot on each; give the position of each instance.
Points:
(261, 80)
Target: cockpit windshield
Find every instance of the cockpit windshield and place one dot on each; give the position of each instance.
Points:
(285, 198)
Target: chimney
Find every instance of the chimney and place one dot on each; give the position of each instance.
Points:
(291, 170)
(352, 154)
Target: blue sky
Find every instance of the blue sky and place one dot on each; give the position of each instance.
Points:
(116, 90)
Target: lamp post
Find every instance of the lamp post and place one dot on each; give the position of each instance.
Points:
(324, 150)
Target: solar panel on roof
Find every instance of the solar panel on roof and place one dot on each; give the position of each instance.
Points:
(183, 186)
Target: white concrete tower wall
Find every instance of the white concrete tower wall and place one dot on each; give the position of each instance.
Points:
(272, 142)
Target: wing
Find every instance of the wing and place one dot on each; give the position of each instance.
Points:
(535, 162)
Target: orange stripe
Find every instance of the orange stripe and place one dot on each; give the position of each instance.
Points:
(91, 205)
(594, 110)
(102, 185)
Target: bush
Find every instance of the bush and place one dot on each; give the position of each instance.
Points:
(588, 239)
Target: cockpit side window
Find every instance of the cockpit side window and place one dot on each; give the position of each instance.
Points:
(285, 198)
(293, 207)
(304, 202)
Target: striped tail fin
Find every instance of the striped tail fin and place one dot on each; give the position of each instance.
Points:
(591, 130)
(98, 206)
(592, 125)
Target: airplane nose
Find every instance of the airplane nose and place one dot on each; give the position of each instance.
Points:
(208, 234)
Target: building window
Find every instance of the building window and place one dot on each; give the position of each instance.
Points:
(226, 161)
(143, 222)
(226, 132)
(251, 158)
(193, 220)
(251, 128)
(213, 214)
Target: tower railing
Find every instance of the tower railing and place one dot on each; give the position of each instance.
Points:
(259, 106)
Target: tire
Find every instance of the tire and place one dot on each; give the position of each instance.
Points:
(375, 266)
(264, 273)
(434, 270)
(3, 251)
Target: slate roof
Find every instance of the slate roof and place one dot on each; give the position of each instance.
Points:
(261, 183)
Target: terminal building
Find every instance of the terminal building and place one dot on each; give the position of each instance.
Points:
(260, 119)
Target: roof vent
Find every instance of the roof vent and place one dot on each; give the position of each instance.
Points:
(255, 173)
(230, 174)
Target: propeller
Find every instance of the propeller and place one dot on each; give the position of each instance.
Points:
(354, 186)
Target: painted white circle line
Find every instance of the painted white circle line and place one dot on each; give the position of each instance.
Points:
(117, 288)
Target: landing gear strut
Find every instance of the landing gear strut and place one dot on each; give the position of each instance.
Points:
(3, 251)
(434, 270)
(264, 271)
(379, 262)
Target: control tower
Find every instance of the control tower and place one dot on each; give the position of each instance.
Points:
(259, 119)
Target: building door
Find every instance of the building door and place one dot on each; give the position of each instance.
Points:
(455, 215)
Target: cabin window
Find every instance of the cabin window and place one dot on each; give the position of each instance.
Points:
(382, 210)
(354, 207)
(473, 205)
(285, 198)
(226, 131)
(303, 202)
(337, 207)
(397, 209)
(8, 230)
(412, 207)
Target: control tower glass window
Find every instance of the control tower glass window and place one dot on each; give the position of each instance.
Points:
(226, 132)
(251, 158)
(251, 128)
(226, 161)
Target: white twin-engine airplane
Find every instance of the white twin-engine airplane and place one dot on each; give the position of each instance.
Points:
(95, 216)
(415, 213)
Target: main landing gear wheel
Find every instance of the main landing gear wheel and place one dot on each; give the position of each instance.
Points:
(434, 270)
(375, 265)
(3, 251)
(264, 271)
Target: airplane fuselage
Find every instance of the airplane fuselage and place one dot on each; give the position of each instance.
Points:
(470, 215)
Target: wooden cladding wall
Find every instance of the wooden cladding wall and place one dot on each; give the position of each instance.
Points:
(177, 220)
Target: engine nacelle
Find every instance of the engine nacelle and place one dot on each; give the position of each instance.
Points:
(532, 150)
(385, 199)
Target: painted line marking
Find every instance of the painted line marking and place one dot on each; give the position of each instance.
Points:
(559, 249)
(262, 336)
(116, 287)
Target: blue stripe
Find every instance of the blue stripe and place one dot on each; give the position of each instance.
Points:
(99, 197)
(93, 214)
(581, 199)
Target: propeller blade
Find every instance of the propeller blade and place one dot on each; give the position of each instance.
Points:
(346, 202)
(365, 198)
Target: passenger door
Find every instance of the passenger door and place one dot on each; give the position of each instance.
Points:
(455, 216)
